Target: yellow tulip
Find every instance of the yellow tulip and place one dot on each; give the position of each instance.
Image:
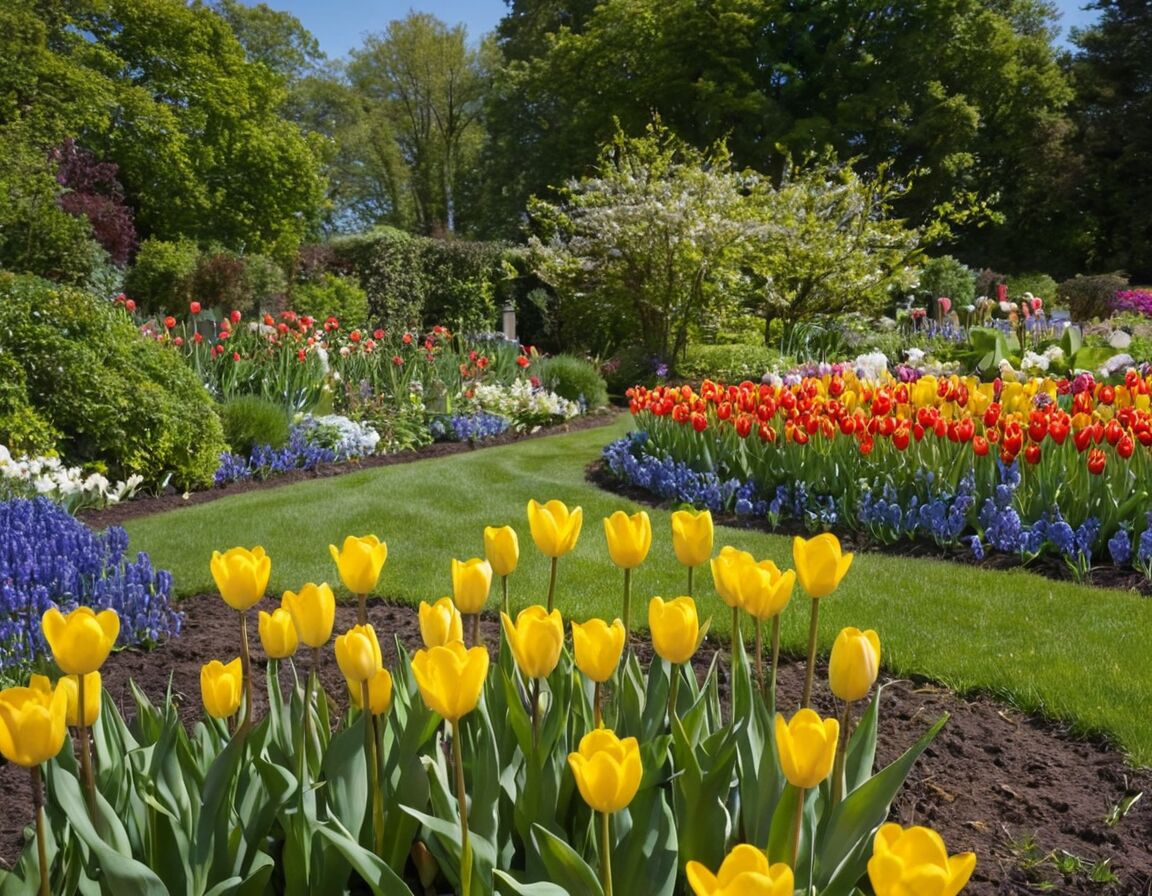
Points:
(451, 678)
(358, 653)
(278, 634)
(440, 623)
(313, 611)
(745, 871)
(241, 575)
(807, 747)
(598, 647)
(82, 640)
(360, 562)
(32, 724)
(629, 538)
(502, 549)
(72, 690)
(379, 692)
(726, 570)
(854, 664)
(607, 770)
(692, 536)
(221, 686)
(536, 640)
(819, 563)
(471, 582)
(675, 628)
(764, 590)
(554, 528)
(915, 860)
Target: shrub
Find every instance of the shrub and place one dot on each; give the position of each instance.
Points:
(575, 379)
(1038, 284)
(462, 278)
(161, 278)
(945, 276)
(1091, 297)
(22, 429)
(47, 556)
(729, 363)
(250, 421)
(987, 281)
(1138, 301)
(333, 295)
(387, 263)
(114, 397)
(245, 283)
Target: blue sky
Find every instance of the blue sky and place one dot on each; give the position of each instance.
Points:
(340, 25)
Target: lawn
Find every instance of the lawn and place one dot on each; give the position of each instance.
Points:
(1074, 653)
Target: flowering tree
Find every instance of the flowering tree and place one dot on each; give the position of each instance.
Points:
(648, 245)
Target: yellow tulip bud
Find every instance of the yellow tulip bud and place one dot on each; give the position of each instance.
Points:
(358, 653)
(92, 693)
(82, 640)
(807, 747)
(745, 871)
(359, 562)
(819, 563)
(536, 640)
(607, 770)
(379, 692)
(440, 623)
(313, 611)
(915, 860)
(764, 590)
(692, 535)
(554, 529)
(854, 664)
(451, 678)
(241, 575)
(675, 628)
(221, 687)
(726, 570)
(278, 634)
(629, 538)
(598, 647)
(471, 582)
(32, 724)
(501, 549)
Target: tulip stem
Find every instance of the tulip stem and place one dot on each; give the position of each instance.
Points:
(474, 626)
(596, 717)
(373, 766)
(246, 666)
(462, 800)
(775, 662)
(41, 833)
(690, 569)
(838, 783)
(552, 583)
(606, 852)
(362, 609)
(627, 605)
(760, 655)
(737, 639)
(813, 626)
(673, 687)
(309, 689)
(85, 752)
(535, 714)
(797, 825)
(504, 595)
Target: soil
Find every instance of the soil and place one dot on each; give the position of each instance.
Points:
(1033, 802)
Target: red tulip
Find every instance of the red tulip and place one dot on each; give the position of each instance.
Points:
(1032, 454)
(194, 308)
(1096, 461)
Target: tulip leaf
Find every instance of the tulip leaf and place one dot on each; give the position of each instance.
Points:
(645, 855)
(373, 871)
(345, 768)
(445, 846)
(861, 753)
(845, 842)
(653, 719)
(210, 849)
(565, 866)
(509, 886)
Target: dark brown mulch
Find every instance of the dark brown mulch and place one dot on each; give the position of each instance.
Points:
(1013, 788)
(172, 500)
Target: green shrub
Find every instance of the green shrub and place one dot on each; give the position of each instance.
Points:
(945, 276)
(574, 378)
(1091, 297)
(250, 421)
(114, 397)
(462, 277)
(161, 278)
(1040, 285)
(728, 363)
(245, 283)
(332, 295)
(22, 429)
(630, 367)
(387, 263)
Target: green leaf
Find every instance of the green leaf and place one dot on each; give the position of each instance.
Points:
(861, 753)
(565, 867)
(512, 887)
(381, 879)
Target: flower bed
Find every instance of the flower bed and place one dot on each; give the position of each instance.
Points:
(1058, 466)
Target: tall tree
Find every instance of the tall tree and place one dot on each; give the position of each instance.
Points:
(1114, 114)
(424, 81)
(272, 38)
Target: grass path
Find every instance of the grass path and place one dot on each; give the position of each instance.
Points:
(1073, 653)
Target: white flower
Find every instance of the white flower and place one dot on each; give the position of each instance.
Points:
(871, 366)
(1033, 363)
(914, 355)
